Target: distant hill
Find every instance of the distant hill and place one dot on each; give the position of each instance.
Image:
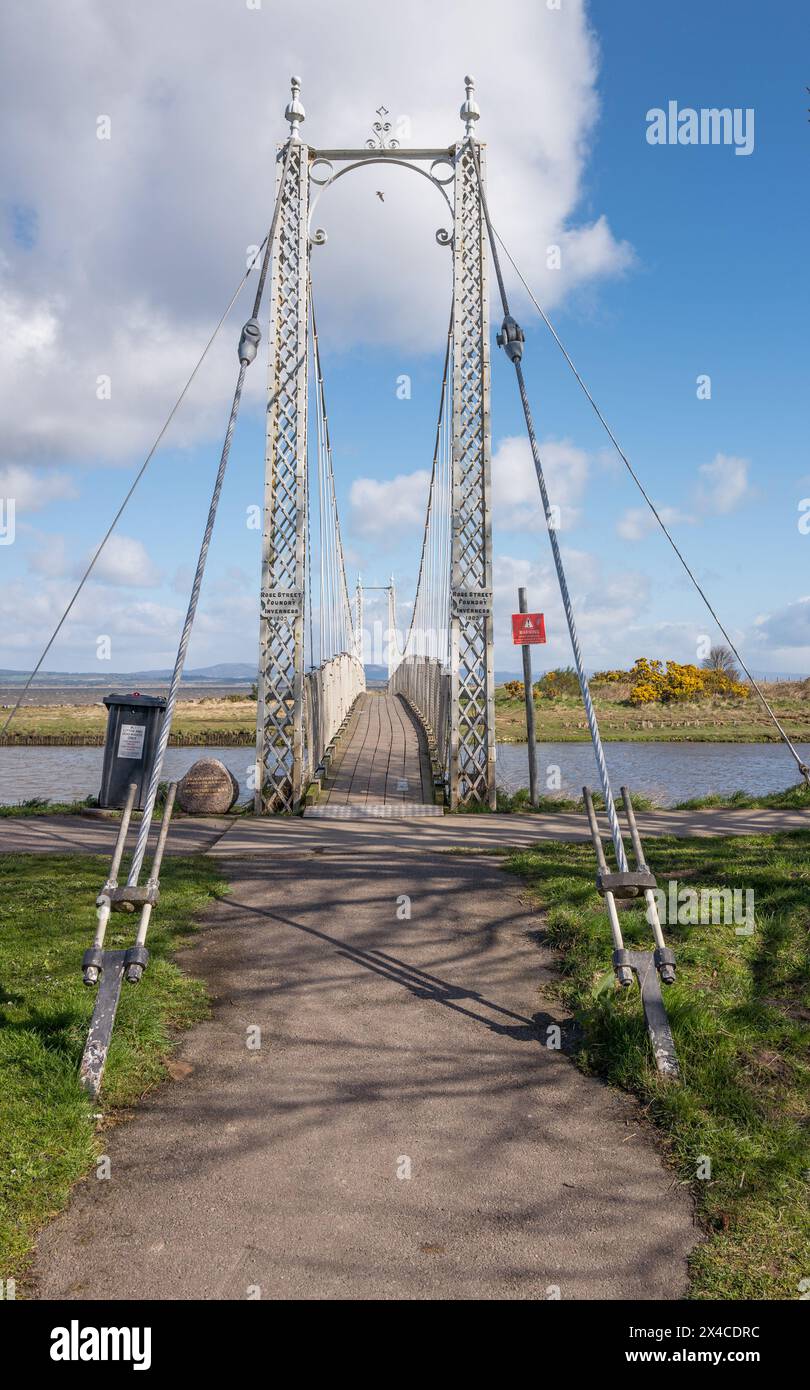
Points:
(241, 672)
(225, 671)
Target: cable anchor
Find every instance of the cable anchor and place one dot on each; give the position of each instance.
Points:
(249, 341)
(511, 338)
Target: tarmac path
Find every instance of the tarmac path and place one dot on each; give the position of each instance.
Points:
(403, 1132)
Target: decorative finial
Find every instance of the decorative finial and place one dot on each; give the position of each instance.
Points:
(381, 128)
(470, 111)
(294, 112)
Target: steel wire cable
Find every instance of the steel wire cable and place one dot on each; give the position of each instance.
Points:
(803, 768)
(590, 713)
(185, 636)
(431, 534)
(335, 590)
(134, 485)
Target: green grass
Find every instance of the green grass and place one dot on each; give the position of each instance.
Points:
(40, 806)
(511, 803)
(48, 1137)
(710, 719)
(739, 1012)
(795, 798)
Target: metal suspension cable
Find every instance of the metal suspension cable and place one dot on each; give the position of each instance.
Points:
(135, 482)
(445, 539)
(427, 536)
(493, 235)
(309, 583)
(512, 340)
(248, 346)
(347, 633)
(322, 638)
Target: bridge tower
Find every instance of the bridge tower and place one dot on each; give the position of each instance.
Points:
(472, 688)
(279, 728)
(467, 736)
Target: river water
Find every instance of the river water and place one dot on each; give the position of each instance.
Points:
(666, 772)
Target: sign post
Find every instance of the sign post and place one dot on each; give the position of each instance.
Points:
(528, 629)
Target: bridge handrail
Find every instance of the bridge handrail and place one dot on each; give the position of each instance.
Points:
(329, 693)
(425, 683)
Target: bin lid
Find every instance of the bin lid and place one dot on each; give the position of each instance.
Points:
(145, 701)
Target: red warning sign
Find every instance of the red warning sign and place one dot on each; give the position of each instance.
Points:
(528, 628)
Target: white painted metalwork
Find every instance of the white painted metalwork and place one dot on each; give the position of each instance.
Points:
(279, 726)
(470, 111)
(472, 700)
(329, 694)
(446, 668)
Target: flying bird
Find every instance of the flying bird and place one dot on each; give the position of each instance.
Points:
(381, 196)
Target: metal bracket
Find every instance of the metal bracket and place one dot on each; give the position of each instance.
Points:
(128, 897)
(101, 1024)
(511, 338)
(643, 963)
(630, 884)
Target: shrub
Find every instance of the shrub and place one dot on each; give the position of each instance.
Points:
(611, 677)
(652, 684)
(722, 659)
(561, 681)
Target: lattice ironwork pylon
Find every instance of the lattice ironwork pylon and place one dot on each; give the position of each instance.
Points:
(472, 691)
(279, 724)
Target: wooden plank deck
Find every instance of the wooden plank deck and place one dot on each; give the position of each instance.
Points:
(383, 761)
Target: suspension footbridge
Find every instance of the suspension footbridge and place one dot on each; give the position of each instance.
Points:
(445, 670)
(325, 744)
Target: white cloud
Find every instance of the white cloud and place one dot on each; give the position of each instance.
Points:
(34, 489)
(515, 491)
(723, 485)
(789, 627)
(124, 561)
(126, 277)
(29, 614)
(27, 329)
(380, 508)
(144, 632)
(50, 558)
(608, 608)
(637, 522)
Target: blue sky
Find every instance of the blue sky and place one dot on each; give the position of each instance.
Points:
(679, 261)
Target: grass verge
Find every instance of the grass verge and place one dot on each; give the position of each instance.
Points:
(40, 806)
(740, 1014)
(517, 802)
(48, 1136)
(795, 798)
(710, 719)
(217, 720)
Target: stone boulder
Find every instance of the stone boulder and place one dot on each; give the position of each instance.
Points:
(208, 789)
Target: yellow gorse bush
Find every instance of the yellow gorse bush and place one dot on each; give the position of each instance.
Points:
(611, 677)
(653, 683)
